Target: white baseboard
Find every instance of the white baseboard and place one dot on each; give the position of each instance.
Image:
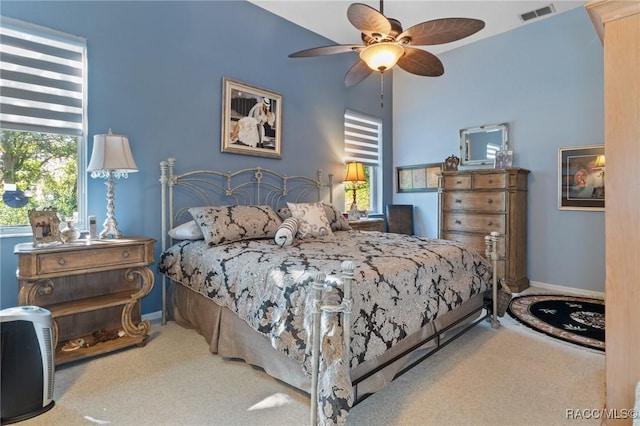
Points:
(565, 290)
(153, 316)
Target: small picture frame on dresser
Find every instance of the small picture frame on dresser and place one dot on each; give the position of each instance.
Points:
(45, 225)
(504, 159)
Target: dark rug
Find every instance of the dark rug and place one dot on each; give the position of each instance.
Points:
(578, 320)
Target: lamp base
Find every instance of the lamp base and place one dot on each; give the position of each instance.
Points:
(353, 212)
(110, 229)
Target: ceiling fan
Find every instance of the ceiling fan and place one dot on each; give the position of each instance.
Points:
(385, 44)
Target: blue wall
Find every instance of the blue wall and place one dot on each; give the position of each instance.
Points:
(546, 80)
(155, 75)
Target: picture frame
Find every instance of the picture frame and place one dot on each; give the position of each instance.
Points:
(45, 225)
(503, 160)
(581, 176)
(251, 120)
(418, 178)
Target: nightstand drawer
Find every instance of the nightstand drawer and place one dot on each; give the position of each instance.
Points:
(69, 261)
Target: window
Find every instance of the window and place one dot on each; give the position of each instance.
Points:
(43, 126)
(363, 143)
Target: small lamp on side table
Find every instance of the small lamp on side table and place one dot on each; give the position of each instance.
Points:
(111, 158)
(355, 175)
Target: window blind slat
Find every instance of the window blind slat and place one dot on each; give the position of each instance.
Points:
(362, 139)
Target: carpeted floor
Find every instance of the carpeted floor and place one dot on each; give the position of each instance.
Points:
(509, 376)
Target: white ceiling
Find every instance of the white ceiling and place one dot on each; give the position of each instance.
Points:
(329, 17)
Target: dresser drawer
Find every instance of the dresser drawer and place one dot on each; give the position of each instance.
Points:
(474, 241)
(490, 181)
(485, 223)
(456, 182)
(479, 201)
(68, 261)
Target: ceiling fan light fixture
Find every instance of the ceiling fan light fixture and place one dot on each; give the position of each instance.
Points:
(381, 56)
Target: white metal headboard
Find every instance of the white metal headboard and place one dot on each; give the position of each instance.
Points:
(252, 186)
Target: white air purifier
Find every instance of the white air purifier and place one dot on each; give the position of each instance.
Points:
(26, 363)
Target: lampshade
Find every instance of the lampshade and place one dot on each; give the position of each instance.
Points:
(355, 173)
(600, 161)
(381, 56)
(111, 152)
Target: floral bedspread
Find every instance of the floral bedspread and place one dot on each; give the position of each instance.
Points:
(401, 283)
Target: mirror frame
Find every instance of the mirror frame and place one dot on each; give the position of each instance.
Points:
(503, 127)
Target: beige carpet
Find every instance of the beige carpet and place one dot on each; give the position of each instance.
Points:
(510, 376)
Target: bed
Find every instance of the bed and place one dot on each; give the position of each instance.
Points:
(262, 290)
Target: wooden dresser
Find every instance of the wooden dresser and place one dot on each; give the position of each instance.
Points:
(88, 288)
(474, 203)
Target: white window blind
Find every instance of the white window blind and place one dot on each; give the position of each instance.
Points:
(42, 82)
(362, 138)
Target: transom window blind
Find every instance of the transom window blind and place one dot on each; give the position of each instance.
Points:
(362, 138)
(42, 81)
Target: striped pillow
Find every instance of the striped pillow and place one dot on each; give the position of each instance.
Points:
(287, 231)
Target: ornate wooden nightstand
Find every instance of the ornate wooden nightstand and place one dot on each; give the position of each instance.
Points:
(89, 288)
(369, 224)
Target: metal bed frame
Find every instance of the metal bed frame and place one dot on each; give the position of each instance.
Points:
(263, 186)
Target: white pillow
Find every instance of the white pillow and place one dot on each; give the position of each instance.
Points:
(312, 219)
(187, 231)
(287, 231)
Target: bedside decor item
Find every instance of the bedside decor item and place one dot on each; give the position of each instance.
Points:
(251, 120)
(111, 158)
(503, 160)
(451, 163)
(581, 178)
(478, 145)
(420, 178)
(69, 233)
(354, 175)
(45, 225)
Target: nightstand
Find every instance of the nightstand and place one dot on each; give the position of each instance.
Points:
(368, 224)
(88, 288)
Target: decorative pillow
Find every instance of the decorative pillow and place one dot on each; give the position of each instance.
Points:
(287, 231)
(312, 219)
(187, 231)
(226, 224)
(337, 221)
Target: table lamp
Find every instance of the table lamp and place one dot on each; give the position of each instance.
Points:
(111, 158)
(355, 175)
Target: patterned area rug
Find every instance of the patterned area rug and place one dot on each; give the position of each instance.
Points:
(577, 320)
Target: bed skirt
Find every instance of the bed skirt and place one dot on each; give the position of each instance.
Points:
(231, 337)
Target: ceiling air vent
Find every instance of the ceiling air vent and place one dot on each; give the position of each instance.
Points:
(527, 16)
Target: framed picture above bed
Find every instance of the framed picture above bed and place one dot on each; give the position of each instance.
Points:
(419, 178)
(251, 120)
(581, 174)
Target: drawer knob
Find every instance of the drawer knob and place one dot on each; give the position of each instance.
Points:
(458, 182)
(490, 201)
(458, 222)
(458, 200)
(490, 180)
(125, 254)
(61, 262)
(489, 223)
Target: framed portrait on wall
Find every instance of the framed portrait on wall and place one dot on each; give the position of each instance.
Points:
(251, 120)
(581, 175)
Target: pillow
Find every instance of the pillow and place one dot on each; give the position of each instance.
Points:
(312, 219)
(287, 231)
(187, 231)
(336, 220)
(226, 224)
(334, 216)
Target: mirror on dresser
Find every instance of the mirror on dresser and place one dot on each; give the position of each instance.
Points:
(478, 145)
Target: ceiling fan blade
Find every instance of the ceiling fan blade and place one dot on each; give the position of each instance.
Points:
(440, 31)
(327, 50)
(358, 72)
(368, 20)
(420, 62)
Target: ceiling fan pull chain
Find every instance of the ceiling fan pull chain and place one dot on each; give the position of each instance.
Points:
(381, 90)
